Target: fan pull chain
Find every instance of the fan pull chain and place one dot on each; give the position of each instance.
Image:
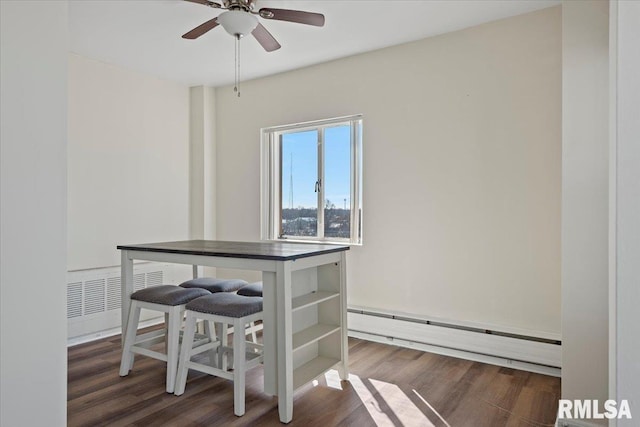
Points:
(236, 87)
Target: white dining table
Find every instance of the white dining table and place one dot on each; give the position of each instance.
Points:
(304, 302)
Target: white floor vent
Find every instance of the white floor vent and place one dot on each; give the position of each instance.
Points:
(94, 296)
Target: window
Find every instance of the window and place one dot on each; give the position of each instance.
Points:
(312, 181)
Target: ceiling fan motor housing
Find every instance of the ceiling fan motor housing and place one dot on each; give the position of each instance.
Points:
(246, 5)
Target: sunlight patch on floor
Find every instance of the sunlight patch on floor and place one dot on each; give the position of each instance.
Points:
(390, 406)
(431, 407)
(333, 379)
(405, 410)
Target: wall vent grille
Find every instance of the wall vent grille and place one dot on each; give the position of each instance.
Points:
(98, 295)
(96, 291)
(74, 300)
(138, 281)
(154, 278)
(114, 301)
(94, 296)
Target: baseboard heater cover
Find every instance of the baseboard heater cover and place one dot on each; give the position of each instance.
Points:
(517, 350)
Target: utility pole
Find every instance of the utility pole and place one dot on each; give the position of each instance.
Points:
(291, 181)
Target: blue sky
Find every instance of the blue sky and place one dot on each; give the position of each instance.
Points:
(300, 148)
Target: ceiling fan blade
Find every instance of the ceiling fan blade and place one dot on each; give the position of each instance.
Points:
(201, 29)
(298, 16)
(206, 3)
(264, 37)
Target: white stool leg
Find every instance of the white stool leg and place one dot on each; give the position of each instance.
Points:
(173, 339)
(185, 354)
(223, 336)
(239, 356)
(126, 363)
(166, 332)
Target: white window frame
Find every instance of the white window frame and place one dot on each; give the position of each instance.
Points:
(271, 199)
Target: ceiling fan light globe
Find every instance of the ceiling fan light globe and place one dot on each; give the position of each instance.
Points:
(237, 23)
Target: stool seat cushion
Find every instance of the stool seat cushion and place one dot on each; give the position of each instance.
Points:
(252, 290)
(214, 285)
(226, 304)
(168, 295)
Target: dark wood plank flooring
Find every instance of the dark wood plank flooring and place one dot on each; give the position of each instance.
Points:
(390, 386)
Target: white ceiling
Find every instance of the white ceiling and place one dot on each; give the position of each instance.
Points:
(145, 35)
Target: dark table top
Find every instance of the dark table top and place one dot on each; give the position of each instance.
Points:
(278, 251)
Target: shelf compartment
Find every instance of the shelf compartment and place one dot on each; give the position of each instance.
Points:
(312, 370)
(307, 300)
(313, 334)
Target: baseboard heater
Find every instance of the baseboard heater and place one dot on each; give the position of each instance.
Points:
(536, 353)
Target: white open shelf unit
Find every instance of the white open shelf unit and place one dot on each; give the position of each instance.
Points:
(318, 323)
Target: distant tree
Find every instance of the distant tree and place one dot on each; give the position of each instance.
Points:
(329, 205)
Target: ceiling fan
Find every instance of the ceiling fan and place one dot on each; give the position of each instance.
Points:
(239, 19)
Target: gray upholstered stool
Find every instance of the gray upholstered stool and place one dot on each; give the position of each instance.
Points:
(214, 285)
(252, 290)
(170, 300)
(224, 308)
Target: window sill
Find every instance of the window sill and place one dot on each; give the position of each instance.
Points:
(317, 242)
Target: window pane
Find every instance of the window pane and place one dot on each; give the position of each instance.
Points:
(299, 152)
(337, 182)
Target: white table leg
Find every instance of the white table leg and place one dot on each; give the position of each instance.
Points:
(126, 288)
(285, 341)
(269, 335)
(343, 368)
(239, 362)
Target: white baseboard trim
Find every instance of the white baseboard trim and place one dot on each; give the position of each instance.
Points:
(532, 355)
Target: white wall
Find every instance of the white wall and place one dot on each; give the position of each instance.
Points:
(128, 161)
(461, 168)
(33, 361)
(202, 161)
(585, 180)
(202, 169)
(627, 339)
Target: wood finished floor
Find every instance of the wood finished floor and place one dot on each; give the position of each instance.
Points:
(389, 386)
